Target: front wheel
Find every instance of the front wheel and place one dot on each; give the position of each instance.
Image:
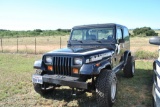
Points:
(39, 87)
(106, 88)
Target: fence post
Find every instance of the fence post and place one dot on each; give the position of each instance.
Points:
(17, 44)
(60, 42)
(1, 45)
(35, 45)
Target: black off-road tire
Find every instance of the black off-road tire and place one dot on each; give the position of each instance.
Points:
(129, 68)
(38, 87)
(106, 82)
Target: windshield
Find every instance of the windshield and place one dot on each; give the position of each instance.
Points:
(92, 34)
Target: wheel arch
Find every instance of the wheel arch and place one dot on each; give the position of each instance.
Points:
(126, 54)
(109, 67)
(106, 65)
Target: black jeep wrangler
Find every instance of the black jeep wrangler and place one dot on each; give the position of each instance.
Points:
(95, 53)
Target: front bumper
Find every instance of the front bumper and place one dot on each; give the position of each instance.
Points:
(64, 80)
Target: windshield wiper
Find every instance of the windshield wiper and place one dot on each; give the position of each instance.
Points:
(99, 41)
(77, 40)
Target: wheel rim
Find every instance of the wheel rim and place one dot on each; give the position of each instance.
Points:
(133, 68)
(113, 89)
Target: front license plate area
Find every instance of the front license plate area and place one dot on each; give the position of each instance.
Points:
(37, 79)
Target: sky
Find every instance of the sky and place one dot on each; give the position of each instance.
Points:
(64, 14)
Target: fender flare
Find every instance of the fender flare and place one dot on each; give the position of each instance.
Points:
(125, 56)
(89, 69)
(39, 65)
(105, 64)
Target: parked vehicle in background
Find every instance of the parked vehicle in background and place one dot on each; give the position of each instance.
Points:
(95, 53)
(156, 74)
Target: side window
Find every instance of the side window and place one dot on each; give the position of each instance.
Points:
(126, 34)
(105, 33)
(119, 33)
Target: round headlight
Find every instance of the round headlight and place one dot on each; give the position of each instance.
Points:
(78, 61)
(48, 59)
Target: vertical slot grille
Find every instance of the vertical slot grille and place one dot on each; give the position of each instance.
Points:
(62, 65)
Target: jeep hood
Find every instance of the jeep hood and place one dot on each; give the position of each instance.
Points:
(79, 51)
(71, 50)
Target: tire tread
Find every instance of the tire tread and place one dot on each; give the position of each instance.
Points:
(103, 86)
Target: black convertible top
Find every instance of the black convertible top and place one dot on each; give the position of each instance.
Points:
(97, 25)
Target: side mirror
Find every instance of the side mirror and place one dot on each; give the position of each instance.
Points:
(155, 40)
(121, 40)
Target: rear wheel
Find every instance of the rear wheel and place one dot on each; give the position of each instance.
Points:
(129, 68)
(106, 88)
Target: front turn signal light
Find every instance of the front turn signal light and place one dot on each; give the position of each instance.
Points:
(97, 64)
(50, 68)
(75, 70)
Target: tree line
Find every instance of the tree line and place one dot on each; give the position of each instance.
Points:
(36, 32)
(144, 31)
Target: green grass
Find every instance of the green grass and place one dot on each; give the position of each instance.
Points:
(146, 55)
(136, 91)
(15, 74)
(16, 86)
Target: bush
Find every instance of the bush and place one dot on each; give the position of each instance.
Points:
(144, 31)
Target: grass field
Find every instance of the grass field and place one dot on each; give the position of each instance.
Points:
(16, 87)
(142, 43)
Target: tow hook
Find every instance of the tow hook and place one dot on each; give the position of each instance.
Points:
(74, 92)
